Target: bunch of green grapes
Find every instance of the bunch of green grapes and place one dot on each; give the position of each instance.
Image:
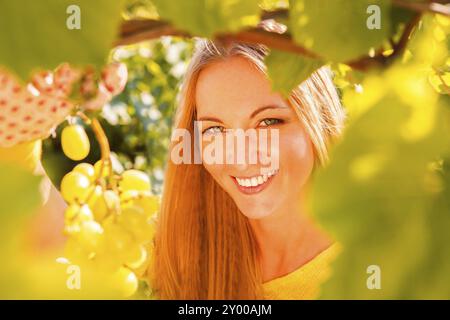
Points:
(110, 217)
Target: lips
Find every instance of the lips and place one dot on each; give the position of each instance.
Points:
(255, 184)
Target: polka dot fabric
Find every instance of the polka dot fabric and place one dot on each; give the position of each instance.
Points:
(26, 113)
(33, 111)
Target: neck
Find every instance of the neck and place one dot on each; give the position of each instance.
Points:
(287, 239)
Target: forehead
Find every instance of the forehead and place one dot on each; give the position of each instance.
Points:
(233, 86)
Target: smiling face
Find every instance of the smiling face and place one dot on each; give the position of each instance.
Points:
(233, 94)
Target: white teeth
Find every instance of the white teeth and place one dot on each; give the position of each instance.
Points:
(255, 181)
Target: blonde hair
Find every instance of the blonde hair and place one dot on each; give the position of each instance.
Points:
(204, 246)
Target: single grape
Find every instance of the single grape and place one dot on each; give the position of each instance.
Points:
(136, 257)
(143, 199)
(90, 235)
(105, 170)
(126, 281)
(102, 201)
(87, 169)
(95, 192)
(117, 240)
(149, 203)
(144, 268)
(75, 142)
(134, 180)
(127, 197)
(106, 262)
(74, 187)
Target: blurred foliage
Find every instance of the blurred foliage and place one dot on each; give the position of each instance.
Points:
(207, 17)
(324, 26)
(289, 69)
(30, 30)
(140, 9)
(384, 195)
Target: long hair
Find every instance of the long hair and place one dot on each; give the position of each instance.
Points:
(204, 246)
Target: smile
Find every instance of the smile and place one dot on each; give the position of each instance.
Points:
(255, 184)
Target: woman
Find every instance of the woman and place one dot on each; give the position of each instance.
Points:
(227, 231)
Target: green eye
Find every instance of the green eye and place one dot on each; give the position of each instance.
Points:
(269, 122)
(213, 130)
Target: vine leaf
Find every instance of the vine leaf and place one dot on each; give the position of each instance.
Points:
(207, 17)
(287, 70)
(35, 36)
(379, 195)
(338, 30)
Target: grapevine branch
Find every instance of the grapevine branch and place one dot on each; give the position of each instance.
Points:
(139, 30)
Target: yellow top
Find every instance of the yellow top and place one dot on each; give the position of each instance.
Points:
(303, 283)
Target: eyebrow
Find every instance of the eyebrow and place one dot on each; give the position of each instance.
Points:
(254, 113)
(259, 110)
(210, 119)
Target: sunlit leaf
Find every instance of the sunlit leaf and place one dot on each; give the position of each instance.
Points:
(287, 70)
(35, 35)
(378, 198)
(339, 30)
(207, 17)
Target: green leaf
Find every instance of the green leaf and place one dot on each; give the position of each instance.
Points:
(287, 70)
(208, 17)
(338, 29)
(34, 34)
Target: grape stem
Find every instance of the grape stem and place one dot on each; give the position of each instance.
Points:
(105, 152)
(101, 139)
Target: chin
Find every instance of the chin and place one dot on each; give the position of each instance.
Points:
(255, 211)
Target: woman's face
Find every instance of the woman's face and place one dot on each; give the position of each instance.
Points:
(233, 94)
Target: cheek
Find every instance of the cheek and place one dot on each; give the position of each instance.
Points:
(213, 170)
(218, 173)
(296, 155)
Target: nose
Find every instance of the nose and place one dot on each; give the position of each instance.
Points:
(255, 149)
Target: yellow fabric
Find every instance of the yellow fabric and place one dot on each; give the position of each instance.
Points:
(303, 283)
(26, 154)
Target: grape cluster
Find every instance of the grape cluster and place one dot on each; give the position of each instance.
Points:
(110, 217)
